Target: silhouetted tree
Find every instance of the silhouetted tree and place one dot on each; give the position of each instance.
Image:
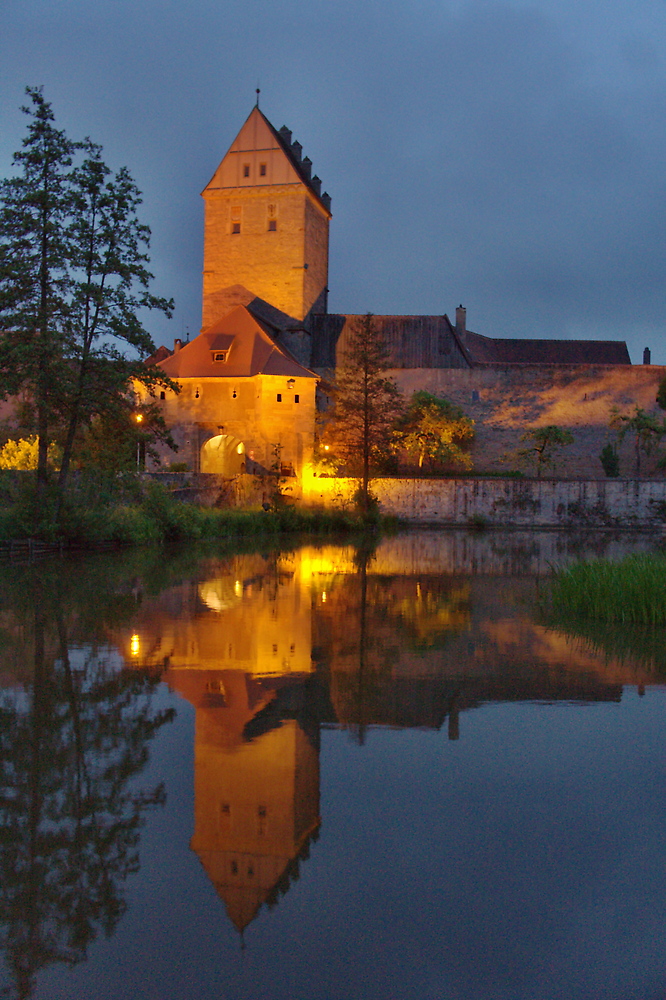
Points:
(73, 278)
(366, 404)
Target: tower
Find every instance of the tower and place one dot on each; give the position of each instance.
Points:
(266, 224)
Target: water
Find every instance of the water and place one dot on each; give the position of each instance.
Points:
(328, 774)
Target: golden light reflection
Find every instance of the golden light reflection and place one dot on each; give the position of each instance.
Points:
(135, 645)
(323, 597)
(238, 588)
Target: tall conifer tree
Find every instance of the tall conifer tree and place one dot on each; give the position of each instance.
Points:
(367, 403)
(73, 278)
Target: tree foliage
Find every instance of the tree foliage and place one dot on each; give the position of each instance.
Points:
(23, 454)
(544, 445)
(645, 429)
(73, 280)
(366, 404)
(436, 432)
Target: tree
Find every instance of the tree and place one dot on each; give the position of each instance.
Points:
(646, 430)
(34, 272)
(367, 404)
(435, 431)
(545, 443)
(73, 277)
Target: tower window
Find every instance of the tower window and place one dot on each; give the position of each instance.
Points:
(246, 170)
(262, 169)
(235, 227)
(163, 395)
(272, 225)
(297, 398)
(279, 397)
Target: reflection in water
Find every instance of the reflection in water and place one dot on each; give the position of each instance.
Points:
(269, 650)
(395, 638)
(74, 732)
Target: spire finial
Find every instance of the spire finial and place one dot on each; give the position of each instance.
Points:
(258, 92)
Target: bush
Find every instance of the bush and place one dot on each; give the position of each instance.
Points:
(610, 460)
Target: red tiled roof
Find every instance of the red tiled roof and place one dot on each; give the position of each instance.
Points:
(251, 351)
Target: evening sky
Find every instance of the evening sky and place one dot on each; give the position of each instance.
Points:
(508, 156)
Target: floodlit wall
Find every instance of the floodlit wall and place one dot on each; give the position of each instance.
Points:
(575, 503)
(504, 402)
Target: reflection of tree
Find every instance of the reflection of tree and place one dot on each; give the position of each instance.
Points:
(72, 738)
(432, 613)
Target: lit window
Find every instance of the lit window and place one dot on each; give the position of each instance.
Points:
(235, 227)
(272, 225)
(246, 170)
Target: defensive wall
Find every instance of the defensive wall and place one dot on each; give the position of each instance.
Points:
(506, 401)
(519, 502)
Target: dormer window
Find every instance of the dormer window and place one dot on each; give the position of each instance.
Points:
(220, 355)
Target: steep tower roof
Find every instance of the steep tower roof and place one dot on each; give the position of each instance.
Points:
(258, 135)
(266, 224)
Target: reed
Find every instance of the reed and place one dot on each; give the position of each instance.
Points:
(632, 591)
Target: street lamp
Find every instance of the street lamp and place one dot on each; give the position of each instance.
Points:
(139, 419)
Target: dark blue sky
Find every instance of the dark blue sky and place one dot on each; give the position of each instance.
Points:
(507, 156)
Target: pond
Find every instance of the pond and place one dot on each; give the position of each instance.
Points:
(331, 772)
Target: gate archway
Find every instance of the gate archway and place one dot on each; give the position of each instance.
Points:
(223, 454)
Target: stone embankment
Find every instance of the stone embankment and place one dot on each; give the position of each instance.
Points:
(526, 503)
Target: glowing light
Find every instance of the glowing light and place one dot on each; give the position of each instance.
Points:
(139, 418)
(239, 449)
(323, 597)
(326, 447)
(238, 588)
(134, 645)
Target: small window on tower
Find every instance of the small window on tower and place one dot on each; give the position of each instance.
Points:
(235, 227)
(246, 170)
(279, 397)
(272, 225)
(220, 356)
(262, 169)
(297, 398)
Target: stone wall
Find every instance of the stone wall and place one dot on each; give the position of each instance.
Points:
(505, 402)
(530, 503)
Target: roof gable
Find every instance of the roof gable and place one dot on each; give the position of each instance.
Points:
(267, 157)
(250, 350)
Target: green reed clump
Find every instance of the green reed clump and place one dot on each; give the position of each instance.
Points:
(632, 591)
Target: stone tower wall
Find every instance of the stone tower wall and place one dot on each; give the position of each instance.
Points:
(270, 262)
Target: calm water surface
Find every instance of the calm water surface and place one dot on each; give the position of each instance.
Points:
(329, 773)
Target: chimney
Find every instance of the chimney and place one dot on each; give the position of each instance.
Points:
(316, 184)
(306, 166)
(285, 135)
(461, 321)
(177, 344)
(296, 150)
(646, 356)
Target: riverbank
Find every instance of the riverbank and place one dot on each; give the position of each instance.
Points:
(100, 515)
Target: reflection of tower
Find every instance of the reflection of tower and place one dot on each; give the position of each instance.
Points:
(256, 803)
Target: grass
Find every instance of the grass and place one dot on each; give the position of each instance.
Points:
(99, 513)
(629, 592)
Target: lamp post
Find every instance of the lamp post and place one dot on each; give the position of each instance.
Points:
(139, 420)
